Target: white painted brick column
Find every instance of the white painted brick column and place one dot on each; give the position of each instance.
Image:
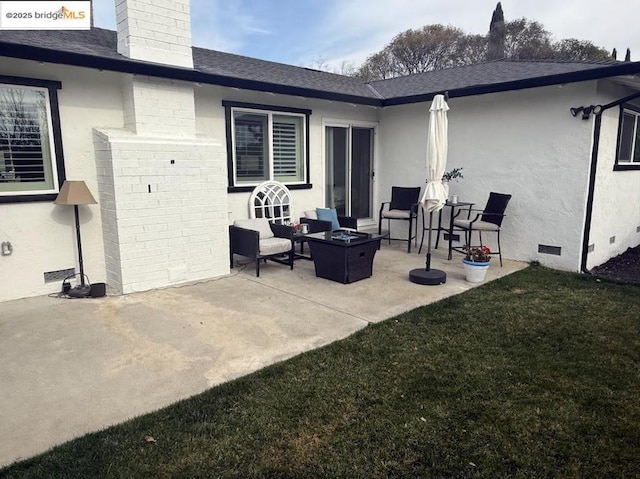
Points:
(164, 207)
(158, 107)
(163, 191)
(155, 30)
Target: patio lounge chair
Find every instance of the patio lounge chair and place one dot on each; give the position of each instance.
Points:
(259, 239)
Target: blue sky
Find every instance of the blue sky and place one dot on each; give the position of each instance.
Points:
(309, 32)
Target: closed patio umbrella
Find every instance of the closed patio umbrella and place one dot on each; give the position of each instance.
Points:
(435, 193)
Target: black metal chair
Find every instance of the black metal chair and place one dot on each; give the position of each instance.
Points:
(488, 219)
(260, 240)
(404, 207)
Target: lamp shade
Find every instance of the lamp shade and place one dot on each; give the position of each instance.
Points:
(75, 193)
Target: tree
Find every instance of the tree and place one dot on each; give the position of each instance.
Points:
(578, 50)
(495, 50)
(472, 49)
(614, 54)
(434, 47)
(627, 57)
(378, 66)
(431, 48)
(527, 40)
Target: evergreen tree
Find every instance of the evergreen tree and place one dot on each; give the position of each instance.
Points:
(497, 32)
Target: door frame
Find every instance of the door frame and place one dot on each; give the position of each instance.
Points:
(346, 123)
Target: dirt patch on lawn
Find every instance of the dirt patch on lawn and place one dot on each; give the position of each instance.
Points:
(624, 268)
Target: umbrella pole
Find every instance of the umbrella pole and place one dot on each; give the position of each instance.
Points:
(428, 265)
(427, 275)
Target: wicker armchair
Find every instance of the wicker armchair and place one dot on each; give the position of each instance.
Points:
(260, 240)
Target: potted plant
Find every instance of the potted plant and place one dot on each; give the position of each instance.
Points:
(454, 174)
(449, 176)
(476, 262)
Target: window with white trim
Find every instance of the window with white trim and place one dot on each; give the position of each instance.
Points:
(28, 165)
(266, 143)
(629, 138)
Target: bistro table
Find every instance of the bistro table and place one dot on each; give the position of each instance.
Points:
(453, 207)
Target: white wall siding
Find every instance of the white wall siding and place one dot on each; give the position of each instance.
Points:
(43, 234)
(523, 143)
(616, 202)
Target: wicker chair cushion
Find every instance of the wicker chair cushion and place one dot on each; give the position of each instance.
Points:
(257, 224)
(477, 225)
(274, 245)
(397, 214)
(311, 214)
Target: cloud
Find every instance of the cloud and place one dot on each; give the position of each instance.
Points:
(224, 25)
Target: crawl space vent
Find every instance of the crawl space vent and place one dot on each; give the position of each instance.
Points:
(545, 249)
(53, 276)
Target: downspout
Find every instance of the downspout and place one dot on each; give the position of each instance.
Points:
(592, 177)
(591, 192)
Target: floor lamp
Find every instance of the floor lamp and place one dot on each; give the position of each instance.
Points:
(74, 193)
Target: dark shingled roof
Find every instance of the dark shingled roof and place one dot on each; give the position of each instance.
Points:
(97, 48)
(467, 76)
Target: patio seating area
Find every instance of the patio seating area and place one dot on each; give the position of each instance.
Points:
(74, 366)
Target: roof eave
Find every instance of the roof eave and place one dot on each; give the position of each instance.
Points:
(136, 67)
(562, 78)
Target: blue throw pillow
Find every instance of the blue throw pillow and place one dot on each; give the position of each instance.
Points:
(329, 214)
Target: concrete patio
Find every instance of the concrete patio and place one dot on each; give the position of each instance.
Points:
(69, 367)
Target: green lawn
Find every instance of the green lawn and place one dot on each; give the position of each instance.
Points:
(536, 375)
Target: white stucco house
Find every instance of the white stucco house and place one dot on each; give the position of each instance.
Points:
(172, 139)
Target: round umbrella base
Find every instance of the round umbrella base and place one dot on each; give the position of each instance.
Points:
(429, 277)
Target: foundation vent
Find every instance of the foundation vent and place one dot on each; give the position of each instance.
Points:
(54, 276)
(554, 250)
(612, 240)
(637, 229)
(591, 248)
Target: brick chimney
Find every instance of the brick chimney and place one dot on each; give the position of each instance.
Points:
(155, 30)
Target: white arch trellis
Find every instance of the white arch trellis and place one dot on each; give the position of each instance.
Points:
(271, 200)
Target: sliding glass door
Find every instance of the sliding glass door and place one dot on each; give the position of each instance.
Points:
(349, 160)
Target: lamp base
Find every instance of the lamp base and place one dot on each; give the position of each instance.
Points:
(80, 291)
(430, 277)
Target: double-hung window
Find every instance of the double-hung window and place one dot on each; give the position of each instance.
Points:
(628, 156)
(30, 164)
(266, 143)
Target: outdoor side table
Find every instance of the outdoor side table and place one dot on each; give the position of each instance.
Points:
(453, 207)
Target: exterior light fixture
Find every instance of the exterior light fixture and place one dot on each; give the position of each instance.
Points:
(586, 110)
